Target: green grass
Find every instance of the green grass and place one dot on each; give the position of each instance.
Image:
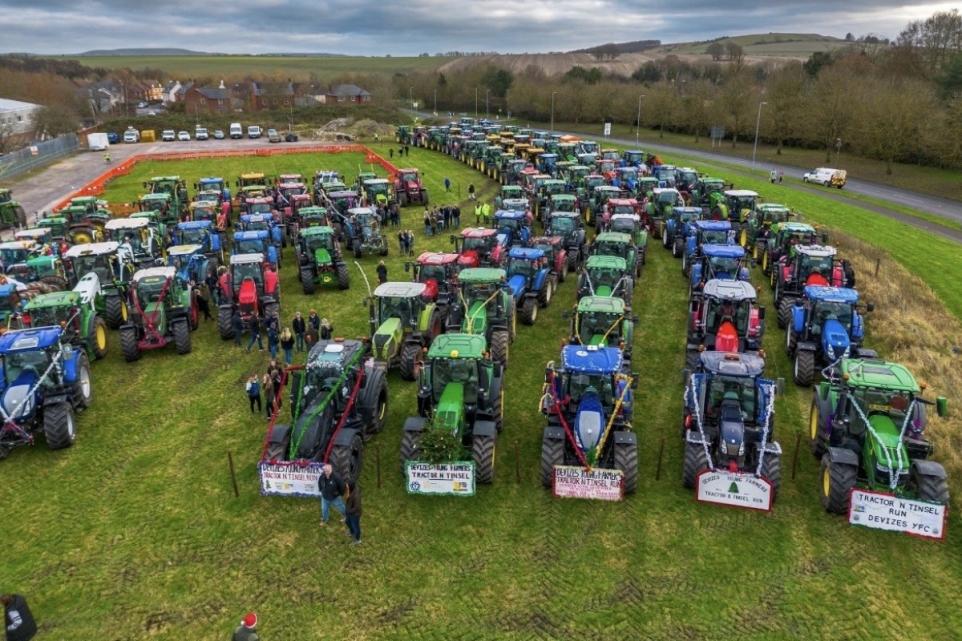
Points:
(795, 45)
(282, 67)
(134, 532)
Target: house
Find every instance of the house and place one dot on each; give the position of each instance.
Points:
(170, 91)
(207, 99)
(16, 117)
(271, 95)
(348, 93)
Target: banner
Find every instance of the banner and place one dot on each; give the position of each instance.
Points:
(290, 479)
(573, 482)
(607, 129)
(453, 479)
(737, 489)
(887, 512)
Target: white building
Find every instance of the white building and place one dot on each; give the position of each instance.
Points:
(17, 116)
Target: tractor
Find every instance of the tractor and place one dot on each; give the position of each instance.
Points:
(665, 175)
(175, 187)
(677, 228)
(108, 273)
(376, 191)
(249, 287)
(159, 203)
(614, 206)
(807, 265)
(626, 179)
(724, 317)
(339, 203)
(704, 232)
(190, 263)
(606, 276)
(319, 259)
(439, 273)
(45, 382)
(338, 401)
(603, 321)
(485, 307)
(261, 221)
(460, 390)
(660, 207)
(728, 420)
(206, 210)
(546, 191)
(59, 227)
(163, 310)
(783, 238)
(529, 281)
(632, 158)
(597, 202)
(867, 426)
(630, 224)
(707, 193)
(620, 244)
(588, 403)
(569, 226)
(12, 213)
(559, 203)
(135, 238)
(514, 226)
(756, 230)
(685, 180)
(203, 233)
(721, 262)
(555, 255)
(16, 251)
(216, 184)
(409, 189)
(403, 323)
(480, 247)
(251, 185)
(250, 242)
(363, 230)
(737, 207)
(40, 237)
(40, 274)
(323, 179)
(75, 312)
(158, 228)
(825, 327)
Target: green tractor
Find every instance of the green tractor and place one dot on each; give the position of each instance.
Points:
(59, 227)
(76, 312)
(107, 274)
(755, 232)
(461, 391)
(485, 307)
(403, 324)
(867, 427)
(606, 276)
(622, 245)
(135, 237)
(12, 213)
(176, 188)
(163, 311)
(603, 321)
(161, 205)
(319, 259)
(377, 191)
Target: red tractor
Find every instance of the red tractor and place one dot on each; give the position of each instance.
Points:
(408, 188)
(439, 273)
(480, 247)
(555, 252)
(251, 286)
(619, 206)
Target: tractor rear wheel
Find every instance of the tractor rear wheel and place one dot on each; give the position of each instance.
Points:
(271, 309)
(278, 451)
(482, 452)
(346, 459)
(410, 353)
(931, 488)
(307, 281)
(791, 340)
(552, 454)
(499, 346)
(804, 370)
(343, 277)
(97, 339)
(529, 310)
(224, 325)
(83, 389)
(410, 448)
(696, 462)
(372, 402)
(815, 441)
(626, 460)
(837, 480)
(115, 311)
(544, 296)
(21, 216)
(128, 344)
(784, 312)
(572, 259)
(59, 426)
(684, 263)
(772, 470)
(181, 332)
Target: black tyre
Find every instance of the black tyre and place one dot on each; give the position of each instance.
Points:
(785, 312)
(410, 448)
(547, 290)
(572, 259)
(347, 459)
(115, 311)
(772, 470)
(696, 462)
(482, 452)
(224, 325)
(529, 311)
(83, 388)
(678, 247)
(931, 488)
(128, 344)
(59, 426)
(626, 460)
(357, 251)
(373, 402)
(664, 237)
(499, 347)
(97, 338)
(684, 263)
(815, 441)
(343, 277)
(181, 332)
(307, 281)
(552, 454)
(791, 340)
(410, 355)
(804, 371)
(837, 481)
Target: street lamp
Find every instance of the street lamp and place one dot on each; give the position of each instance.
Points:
(638, 122)
(758, 122)
(552, 110)
(487, 110)
(475, 103)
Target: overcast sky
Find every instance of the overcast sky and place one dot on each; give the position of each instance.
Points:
(409, 27)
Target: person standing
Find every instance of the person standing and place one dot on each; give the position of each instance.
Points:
(253, 388)
(477, 214)
(447, 184)
(427, 222)
(352, 516)
(456, 215)
(390, 153)
(486, 213)
(238, 326)
(273, 335)
(446, 215)
(287, 344)
(331, 488)
(247, 630)
(300, 328)
(315, 322)
(18, 620)
(326, 330)
(401, 239)
(381, 272)
(268, 384)
(254, 327)
(471, 195)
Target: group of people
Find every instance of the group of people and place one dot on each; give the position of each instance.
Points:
(269, 384)
(402, 151)
(437, 219)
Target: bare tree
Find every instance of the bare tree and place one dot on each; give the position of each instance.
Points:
(716, 50)
(785, 88)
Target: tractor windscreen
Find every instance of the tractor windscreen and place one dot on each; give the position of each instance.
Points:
(731, 388)
(816, 264)
(463, 371)
(669, 198)
(31, 362)
(715, 237)
(722, 311)
(511, 224)
(149, 290)
(401, 308)
(95, 263)
(521, 266)
(827, 310)
(579, 383)
(321, 378)
(626, 225)
(598, 324)
(562, 226)
(512, 206)
(607, 248)
(258, 208)
(12, 255)
(244, 271)
(323, 241)
(623, 209)
(724, 265)
(409, 177)
(432, 272)
(249, 246)
(479, 243)
(47, 316)
(603, 276)
(204, 213)
(193, 236)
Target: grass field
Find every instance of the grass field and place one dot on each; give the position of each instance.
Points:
(296, 67)
(134, 533)
(780, 45)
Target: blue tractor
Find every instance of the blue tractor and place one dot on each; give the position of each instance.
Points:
(626, 178)
(547, 163)
(514, 226)
(256, 242)
(588, 404)
(722, 262)
(632, 158)
(264, 222)
(45, 381)
(214, 184)
(705, 232)
(530, 281)
(677, 227)
(190, 263)
(203, 233)
(825, 327)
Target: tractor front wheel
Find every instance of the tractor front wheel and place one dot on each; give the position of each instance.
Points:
(552, 454)
(677, 247)
(59, 426)
(772, 470)
(837, 480)
(499, 347)
(307, 281)
(410, 354)
(791, 340)
(83, 389)
(784, 312)
(115, 310)
(410, 448)
(804, 370)
(224, 322)
(544, 296)
(128, 344)
(696, 462)
(929, 487)
(181, 331)
(346, 459)
(343, 277)
(529, 310)
(373, 400)
(626, 460)
(482, 452)
(814, 428)
(97, 339)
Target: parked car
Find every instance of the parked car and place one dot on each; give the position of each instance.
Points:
(290, 137)
(113, 137)
(273, 136)
(236, 131)
(201, 134)
(826, 176)
(131, 135)
(253, 131)
(168, 135)
(183, 136)
(219, 134)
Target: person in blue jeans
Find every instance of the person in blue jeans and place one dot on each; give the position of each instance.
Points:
(332, 493)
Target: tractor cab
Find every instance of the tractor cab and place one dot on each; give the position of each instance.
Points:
(660, 206)
(343, 201)
(602, 321)
(511, 192)
(725, 318)
(210, 197)
(485, 307)
(707, 192)
(626, 178)
(618, 244)
(159, 202)
(377, 191)
(16, 251)
(398, 304)
(213, 185)
(721, 262)
(517, 204)
(677, 228)
(203, 233)
(739, 205)
(555, 254)
(600, 195)
(311, 240)
(632, 158)
(204, 210)
(325, 177)
(685, 179)
(814, 265)
(665, 175)
(439, 274)
(529, 281)
(513, 225)
(103, 259)
(285, 192)
(261, 205)
(784, 238)
(261, 221)
(759, 226)
(173, 186)
(256, 242)
(312, 217)
(627, 206)
(455, 364)
(562, 203)
(154, 222)
(40, 273)
(135, 237)
(250, 282)
(480, 247)
(190, 263)
(587, 147)
(251, 181)
(409, 188)
(546, 163)
(606, 276)
(708, 232)
(629, 223)
(37, 236)
(57, 225)
(403, 324)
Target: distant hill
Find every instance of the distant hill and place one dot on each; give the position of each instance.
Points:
(621, 47)
(143, 52)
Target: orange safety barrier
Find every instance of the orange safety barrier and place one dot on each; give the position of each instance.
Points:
(96, 186)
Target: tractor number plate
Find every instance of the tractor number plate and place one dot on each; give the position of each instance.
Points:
(735, 489)
(881, 511)
(573, 482)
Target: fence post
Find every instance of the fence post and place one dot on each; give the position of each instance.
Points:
(233, 475)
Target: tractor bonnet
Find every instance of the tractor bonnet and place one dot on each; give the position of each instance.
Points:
(831, 294)
(591, 360)
(25, 340)
(458, 346)
(733, 290)
(732, 363)
(723, 251)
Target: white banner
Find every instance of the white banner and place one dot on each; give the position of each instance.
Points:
(573, 482)
(607, 128)
(737, 489)
(290, 479)
(887, 512)
(455, 479)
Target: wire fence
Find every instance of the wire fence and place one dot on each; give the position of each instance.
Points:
(25, 159)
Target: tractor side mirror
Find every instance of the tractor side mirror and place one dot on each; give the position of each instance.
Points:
(942, 406)
(780, 385)
(870, 307)
(761, 312)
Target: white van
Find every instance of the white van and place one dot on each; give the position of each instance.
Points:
(826, 176)
(236, 131)
(131, 135)
(253, 131)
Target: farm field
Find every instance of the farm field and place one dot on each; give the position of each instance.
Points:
(134, 532)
